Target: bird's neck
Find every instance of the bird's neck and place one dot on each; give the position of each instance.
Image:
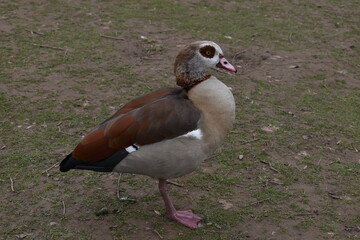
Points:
(188, 80)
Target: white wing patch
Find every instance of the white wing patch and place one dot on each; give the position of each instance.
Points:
(197, 133)
(132, 148)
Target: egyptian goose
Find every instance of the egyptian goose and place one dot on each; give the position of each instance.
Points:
(167, 133)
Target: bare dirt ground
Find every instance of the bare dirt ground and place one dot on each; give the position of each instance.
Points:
(288, 170)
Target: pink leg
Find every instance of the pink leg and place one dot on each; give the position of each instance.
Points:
(188, 218)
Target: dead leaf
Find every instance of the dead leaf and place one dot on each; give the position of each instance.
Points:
(342, 72)
(304, 154)
(276, 57)
(306, 137)
(270, 128)
(86, 103)
(23, 235)
(53, 224)
(294, 66)
(276, 181)
(101, 212)
(157, 212)
(347, 198)
(225, 204)
(335, 194)
(217, 225)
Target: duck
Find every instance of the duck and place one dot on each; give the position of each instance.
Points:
(166, 133)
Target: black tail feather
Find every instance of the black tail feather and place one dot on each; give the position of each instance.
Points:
(106, 165)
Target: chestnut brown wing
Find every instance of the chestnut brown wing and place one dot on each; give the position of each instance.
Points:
(162, 118)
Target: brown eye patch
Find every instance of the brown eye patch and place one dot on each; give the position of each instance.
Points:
(207, 51)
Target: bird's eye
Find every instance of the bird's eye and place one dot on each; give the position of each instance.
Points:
(207, 51)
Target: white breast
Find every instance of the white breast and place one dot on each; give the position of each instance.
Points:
(217, 105)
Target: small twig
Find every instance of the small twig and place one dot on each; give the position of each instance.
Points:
(68, 134)
(118, 187)
(316, 212)
(12, 184)
(272, 168)
(161, 31)
(110, 37)
(35, 32)
(47, 199)
(356, 150)
(251, 140)
(270, 165)
(148, 58)
(303, 214)
(47, 46)
(58, 126)
(265, 162)
(318, 163)
(333, 195)
(64, 207)
(276, 183)
(258, 202)
(122, 199)
(161, 237)
(174, 183)
(46, 170)
(290, 40)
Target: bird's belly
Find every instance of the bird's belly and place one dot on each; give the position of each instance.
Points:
(167, 159)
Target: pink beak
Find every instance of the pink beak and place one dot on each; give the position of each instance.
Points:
(224, 64)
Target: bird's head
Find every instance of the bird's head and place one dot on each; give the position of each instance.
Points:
(193, 61)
